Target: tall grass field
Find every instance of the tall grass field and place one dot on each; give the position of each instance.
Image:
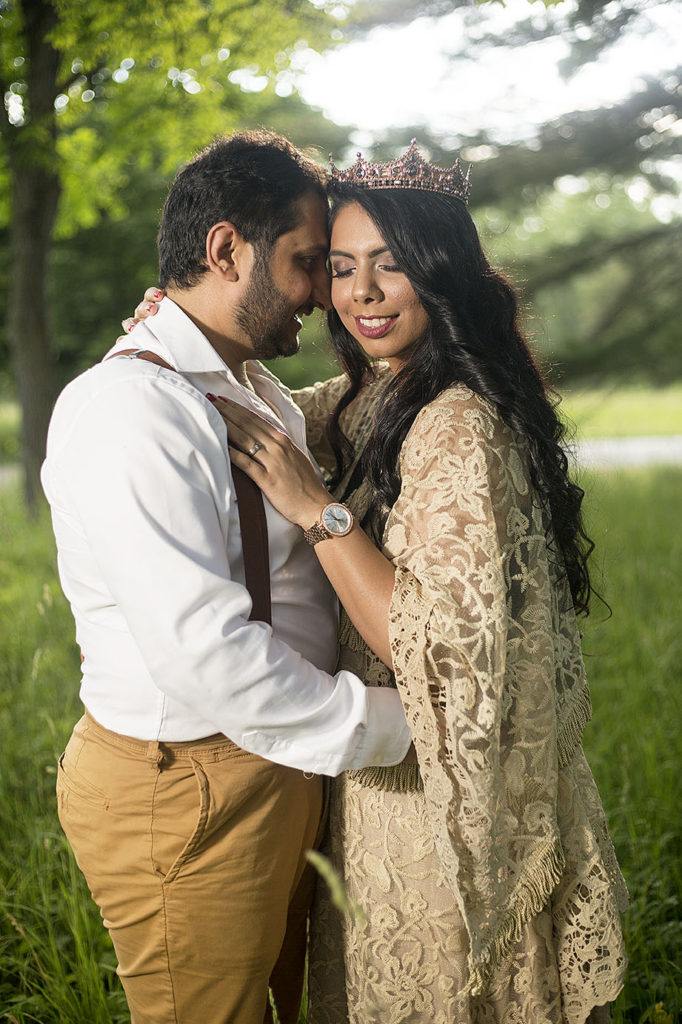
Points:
(56, 963)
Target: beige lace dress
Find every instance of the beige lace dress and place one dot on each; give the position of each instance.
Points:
(489, 883)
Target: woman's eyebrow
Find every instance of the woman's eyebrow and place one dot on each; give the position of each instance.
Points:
(371, 255)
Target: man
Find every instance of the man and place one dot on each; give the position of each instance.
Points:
(191, 842)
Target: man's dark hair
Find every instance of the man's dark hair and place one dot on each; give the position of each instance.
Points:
(254, 179)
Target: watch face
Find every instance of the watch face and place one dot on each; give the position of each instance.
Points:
(337, 519)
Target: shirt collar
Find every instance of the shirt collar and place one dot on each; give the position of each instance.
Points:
(176, 338)
(189, 349)
(173, 335)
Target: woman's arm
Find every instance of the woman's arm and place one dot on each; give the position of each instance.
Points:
(361, 576)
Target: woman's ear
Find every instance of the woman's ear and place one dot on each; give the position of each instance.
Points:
(228, 254)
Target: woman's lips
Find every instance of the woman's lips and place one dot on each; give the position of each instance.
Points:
(374, 326)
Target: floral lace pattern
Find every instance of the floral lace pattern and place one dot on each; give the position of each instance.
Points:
(493, 894)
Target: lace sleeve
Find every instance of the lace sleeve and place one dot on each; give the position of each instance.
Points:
(317, 404)
(473, 650)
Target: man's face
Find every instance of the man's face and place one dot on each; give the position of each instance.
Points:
(287, 282)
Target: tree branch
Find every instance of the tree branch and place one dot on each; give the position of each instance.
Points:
(563, 263)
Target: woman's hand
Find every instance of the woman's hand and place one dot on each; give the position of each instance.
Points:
(360, 574)
(148, 307)
(283, 472)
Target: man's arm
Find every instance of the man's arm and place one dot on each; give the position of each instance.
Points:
(147, 476)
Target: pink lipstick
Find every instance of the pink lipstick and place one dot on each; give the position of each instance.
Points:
(374, 326)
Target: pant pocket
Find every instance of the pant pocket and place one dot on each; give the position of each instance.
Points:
(181, 803)
(73, 785)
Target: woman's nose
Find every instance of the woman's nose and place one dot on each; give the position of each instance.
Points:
(365, 287)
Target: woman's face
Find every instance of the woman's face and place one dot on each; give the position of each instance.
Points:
(375, 301)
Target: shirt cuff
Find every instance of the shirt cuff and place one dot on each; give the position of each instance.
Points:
(382, 738)
(386, 738)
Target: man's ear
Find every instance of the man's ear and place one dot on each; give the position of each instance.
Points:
(228, 254)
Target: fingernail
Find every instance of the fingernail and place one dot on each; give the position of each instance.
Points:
(158, 294)
(149, 307)
(210, 397)
(129, 328)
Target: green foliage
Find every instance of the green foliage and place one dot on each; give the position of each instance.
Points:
(333, 880)
(599, 265)
(57, 961)
(146, 84)
(143, 87)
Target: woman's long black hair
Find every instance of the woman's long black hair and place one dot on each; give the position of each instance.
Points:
(473, 338)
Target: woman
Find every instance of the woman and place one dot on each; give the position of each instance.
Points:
(487, 875)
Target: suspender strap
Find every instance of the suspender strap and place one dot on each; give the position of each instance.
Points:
(254, 530)
(252, 522)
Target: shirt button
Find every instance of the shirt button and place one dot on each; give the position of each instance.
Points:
(378, 759)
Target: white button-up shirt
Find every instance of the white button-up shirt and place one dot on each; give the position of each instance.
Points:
(150, 557)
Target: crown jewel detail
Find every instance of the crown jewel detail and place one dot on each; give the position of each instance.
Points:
(408, 171)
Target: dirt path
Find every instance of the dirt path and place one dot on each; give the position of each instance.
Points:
(622, 452)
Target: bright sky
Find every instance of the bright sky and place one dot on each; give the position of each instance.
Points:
(402, 76)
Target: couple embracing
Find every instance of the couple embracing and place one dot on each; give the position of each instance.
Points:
(221, 690)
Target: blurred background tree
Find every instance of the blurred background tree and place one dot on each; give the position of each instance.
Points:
(103, 100)
(584, 212)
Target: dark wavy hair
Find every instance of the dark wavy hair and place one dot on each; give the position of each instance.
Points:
(473, 338)
(255, 179)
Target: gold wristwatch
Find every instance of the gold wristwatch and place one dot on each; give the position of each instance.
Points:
(336, 520)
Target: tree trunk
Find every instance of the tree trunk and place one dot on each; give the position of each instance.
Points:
(32, 151)
(35, 195)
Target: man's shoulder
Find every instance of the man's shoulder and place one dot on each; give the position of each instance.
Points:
(122, 378)
(131, 394)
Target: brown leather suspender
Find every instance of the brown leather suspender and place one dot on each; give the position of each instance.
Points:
(252, 522)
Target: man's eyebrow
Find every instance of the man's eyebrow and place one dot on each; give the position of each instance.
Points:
(314, 250)
(371, 255)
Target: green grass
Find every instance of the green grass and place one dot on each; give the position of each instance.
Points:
(625, 412)
(57, 964)
(634, 741)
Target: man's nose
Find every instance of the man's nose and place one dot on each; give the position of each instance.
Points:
(321, 294)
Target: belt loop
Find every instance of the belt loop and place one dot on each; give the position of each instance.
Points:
(155, 753)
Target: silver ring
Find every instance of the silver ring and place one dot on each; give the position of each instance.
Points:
(254, 448)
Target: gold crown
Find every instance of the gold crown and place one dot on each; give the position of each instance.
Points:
(409, 171)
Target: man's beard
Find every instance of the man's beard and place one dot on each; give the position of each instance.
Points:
(265, 314)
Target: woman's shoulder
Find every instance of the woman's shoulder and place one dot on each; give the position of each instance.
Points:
(320, 391)
(457, 409)
(328, 392)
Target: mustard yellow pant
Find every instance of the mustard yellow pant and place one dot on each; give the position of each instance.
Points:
(195, 854)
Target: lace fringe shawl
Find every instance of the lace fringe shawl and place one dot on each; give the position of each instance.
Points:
(528, 898)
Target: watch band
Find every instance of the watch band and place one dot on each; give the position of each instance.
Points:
(315, 533)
